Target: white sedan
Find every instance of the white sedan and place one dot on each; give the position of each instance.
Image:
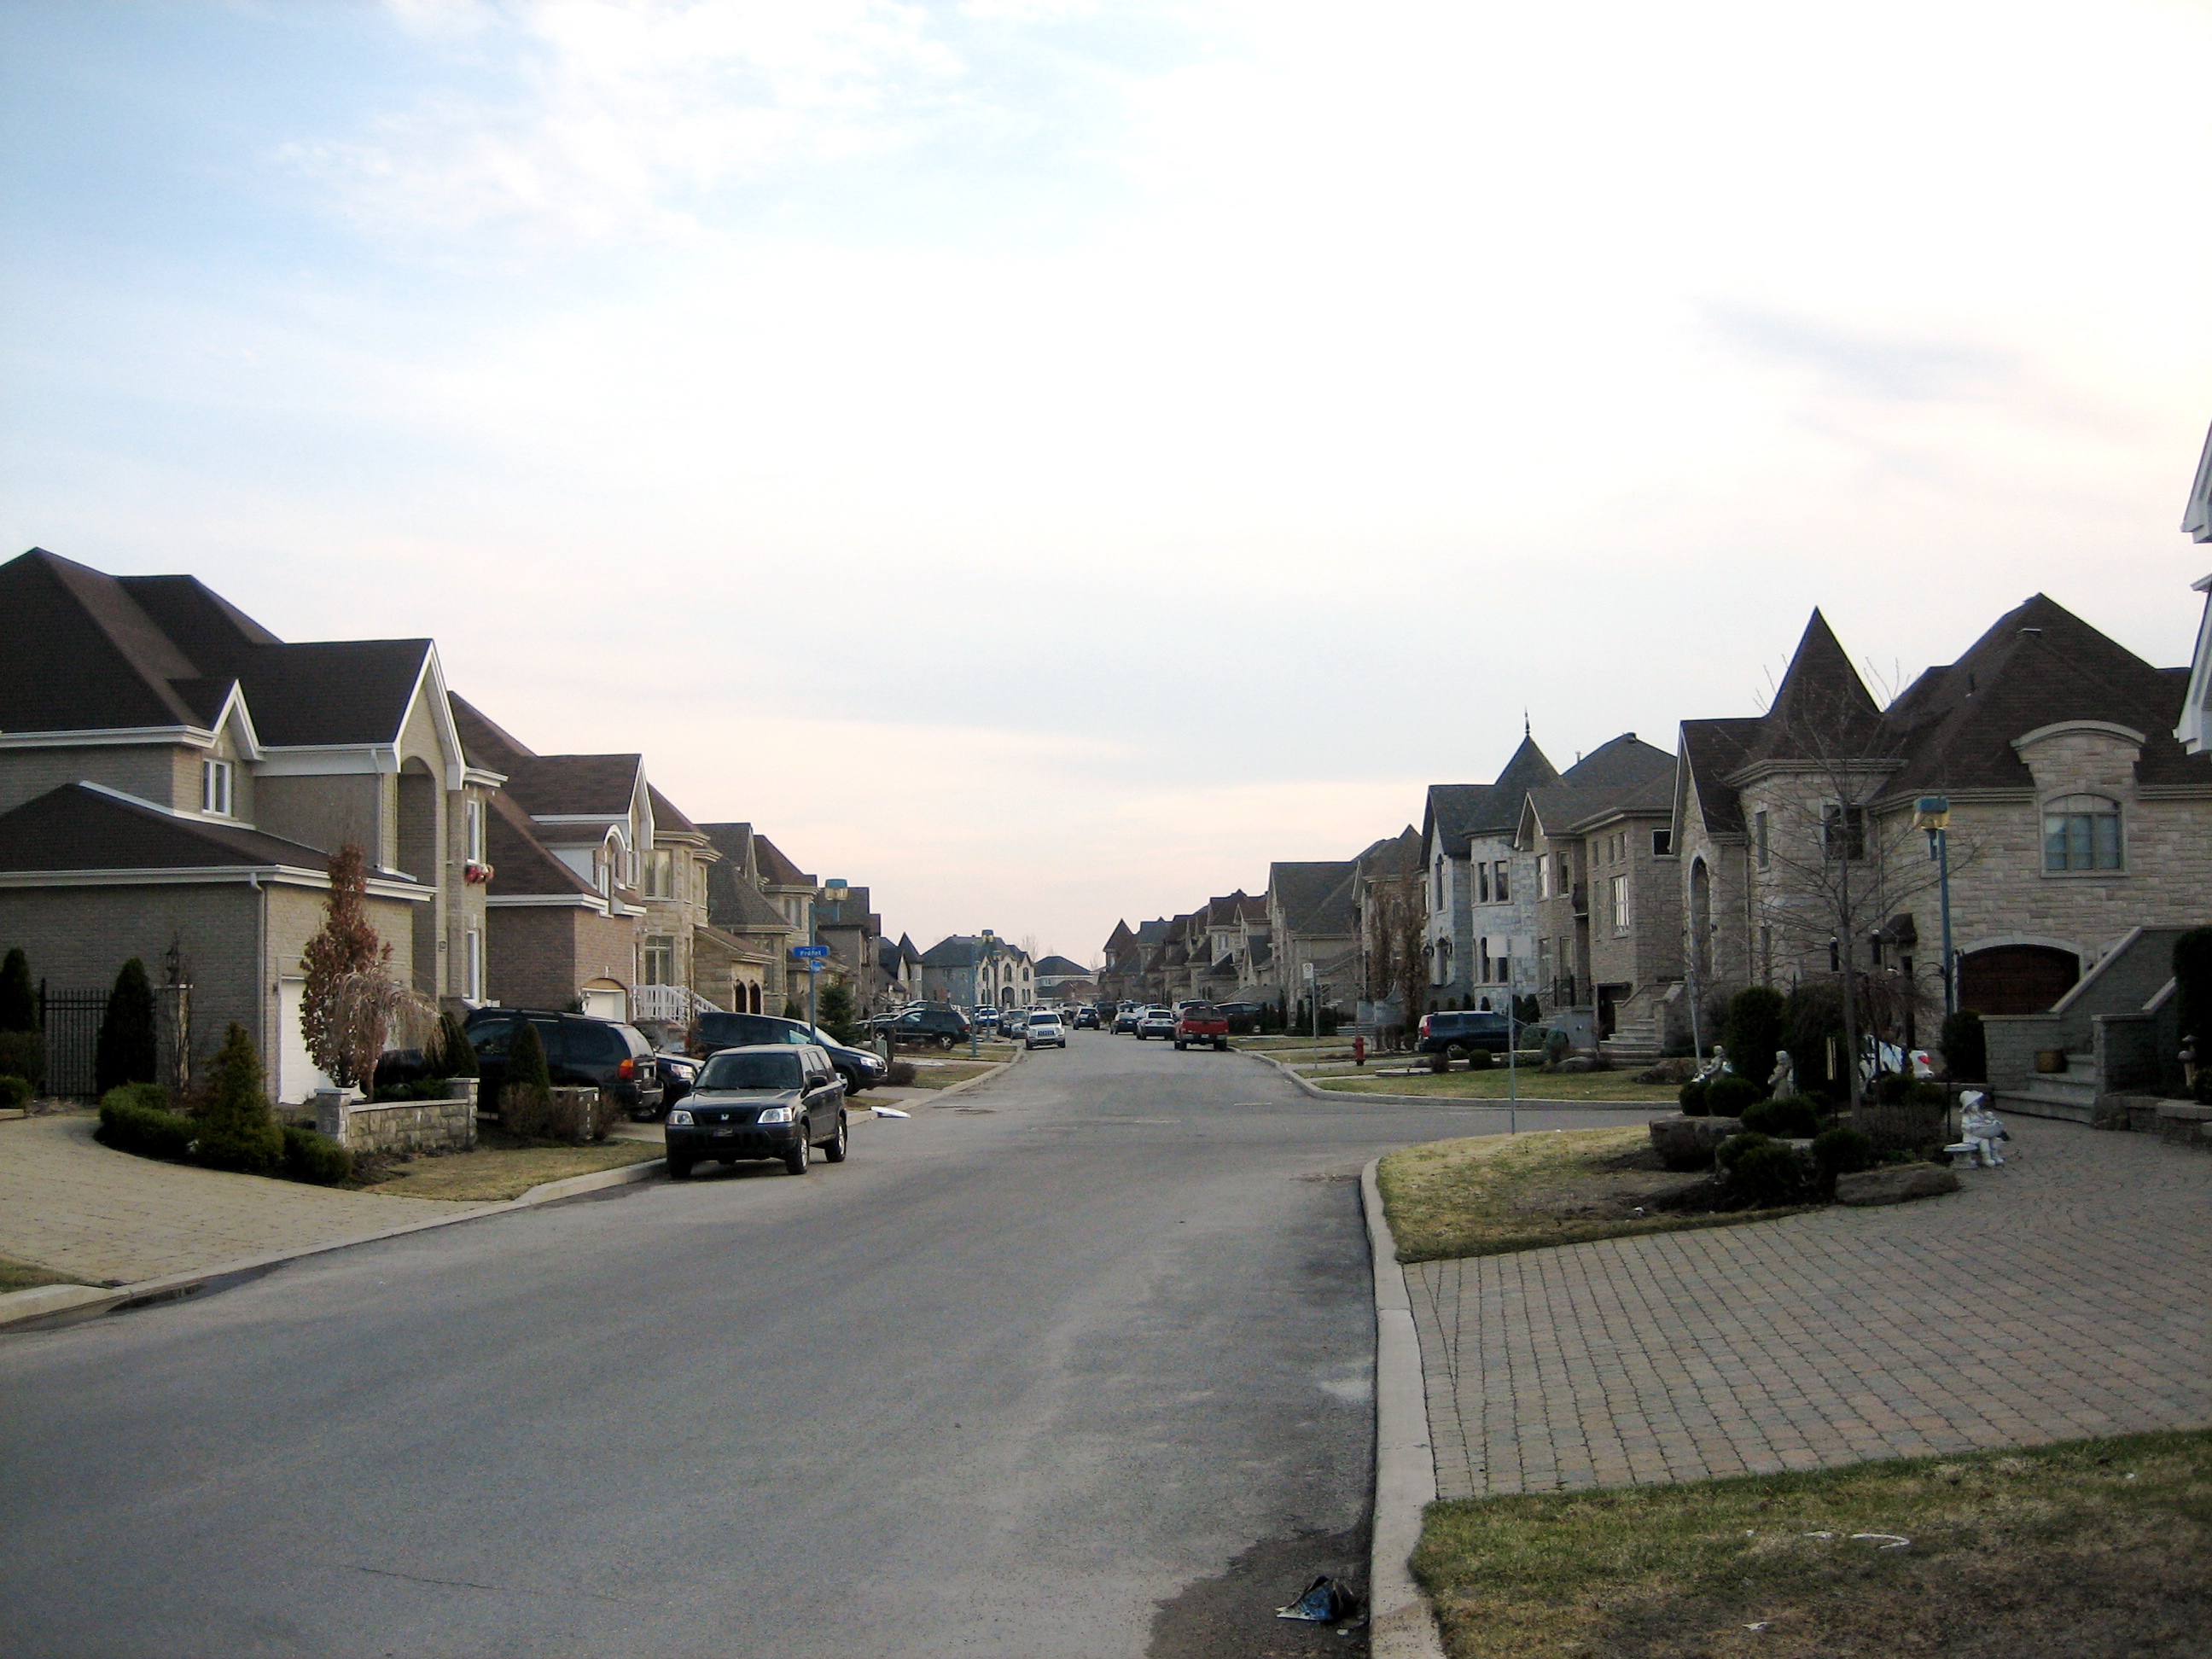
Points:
(1043, 1031)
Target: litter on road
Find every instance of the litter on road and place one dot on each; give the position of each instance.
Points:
(889, 1111)
(1322, 1602)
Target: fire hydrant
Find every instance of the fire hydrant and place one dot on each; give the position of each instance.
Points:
(1359, 1051)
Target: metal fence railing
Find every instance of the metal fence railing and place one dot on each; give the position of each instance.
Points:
(71, 1020)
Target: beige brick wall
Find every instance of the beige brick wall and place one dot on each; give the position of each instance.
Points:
(541, 954)
(148, 771)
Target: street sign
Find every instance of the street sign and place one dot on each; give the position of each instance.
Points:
(1306, 970)
(810, 951)
(816, 965)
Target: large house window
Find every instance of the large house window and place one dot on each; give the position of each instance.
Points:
(1482, 883)
(1543, 875)
(215, 778)
(475, 984)
(657, 960)
(661, 873)
(1620, 904)
(1758, 836)
(1498, 882)
(474, 816)
(2082, 832)
(1842, 832)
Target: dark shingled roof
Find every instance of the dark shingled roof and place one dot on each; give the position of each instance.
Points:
(486, 744)
(522, 868)
(1624, 763)
(1061, 967)
(79, 827)
(82, 654)
(1315, 898)
(1498, 813)
(1712, 750)
(776, 870)
(600, 786)
(665, 815)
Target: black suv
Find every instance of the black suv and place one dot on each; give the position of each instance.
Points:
(713, 1032)
(942, 1026)
(780, 1101)
(580, 1053)
(1460, 1034)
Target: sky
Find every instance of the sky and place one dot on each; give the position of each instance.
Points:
(1046, 460)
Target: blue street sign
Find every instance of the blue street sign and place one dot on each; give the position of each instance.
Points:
(809, 950)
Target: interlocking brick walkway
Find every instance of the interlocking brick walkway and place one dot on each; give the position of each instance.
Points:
(69, 1203)
(2067, 1294)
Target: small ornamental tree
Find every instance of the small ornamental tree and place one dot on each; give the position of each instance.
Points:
(236, 1128)
(455, 1056)
(345, 946)
(525, 1099)
(1965, 1046)
(1758, 1025)
(125, 1051)
(19, 1002)
(837, 1012)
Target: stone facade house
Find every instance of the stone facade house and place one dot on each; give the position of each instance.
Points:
(978, 971)
(1476, 879)
(851, 930)
(1310, 920)
(1388, 900)
(738, 907)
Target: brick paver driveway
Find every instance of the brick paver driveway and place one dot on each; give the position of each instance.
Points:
(2067, 1294)
(70, 1203)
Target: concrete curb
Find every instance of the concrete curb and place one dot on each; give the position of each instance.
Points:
(19, 1307)
(1401, 1624)
(975, 1082)
(1526, 1102)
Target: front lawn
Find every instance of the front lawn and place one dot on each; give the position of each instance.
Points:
(500, 1169)
(1464, 1085)
(29, 1276)
(2089, 1548)
(1493, 1194)
(942, 1074)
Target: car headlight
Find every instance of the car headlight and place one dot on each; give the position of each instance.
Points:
(680, 1116)
(775, 1114)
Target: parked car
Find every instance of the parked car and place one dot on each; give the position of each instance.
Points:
(1127, 1016)
(713, 1032)
(942, 1026)
(1086, 1019)
(1042, 1030)
(678, 1073)
(986, 1019)
(1200, 1024)
(1156, 1022)
(772, 1101)
(580, 1053)
(1243, 1018)
(1460, 1033)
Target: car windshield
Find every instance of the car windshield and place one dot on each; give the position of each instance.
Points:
(738, 1071)
(1044, 1020)
(1199, 1011)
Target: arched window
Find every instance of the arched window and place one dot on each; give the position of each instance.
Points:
(2082, 832)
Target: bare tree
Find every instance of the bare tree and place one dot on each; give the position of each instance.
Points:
(351, 1005)
(1395, 963)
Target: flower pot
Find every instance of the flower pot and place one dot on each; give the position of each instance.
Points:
(2049, 1061)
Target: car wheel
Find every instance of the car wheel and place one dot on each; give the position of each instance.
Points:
(1221, 1047)
(1178, 1042)
(944, 1042)
(834, 1151)
(800, 1157)
(679, 1168)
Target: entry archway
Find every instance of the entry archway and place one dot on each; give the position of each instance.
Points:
(2016, 979)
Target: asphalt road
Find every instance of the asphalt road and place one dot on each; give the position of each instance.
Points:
(1077, 1363)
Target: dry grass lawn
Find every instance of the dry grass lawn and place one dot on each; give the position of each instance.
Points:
(29, 1276)
(1493, 1194)
(2093, 1549)
(944, 1075)
(1491, 1086)
(499, 1168)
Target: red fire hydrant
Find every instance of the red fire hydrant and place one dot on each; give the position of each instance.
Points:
(1359, 1051)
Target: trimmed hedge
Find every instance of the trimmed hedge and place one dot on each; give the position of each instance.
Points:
(14, 1093)
(1843, 1151)
(145, 1130)
(1692, 1098)
(1761, 1171)
(315, 1158)
(23, 1055)
(1729, 1097)
(1791, 1117)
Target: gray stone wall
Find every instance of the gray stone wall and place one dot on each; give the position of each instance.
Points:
(399, 1126)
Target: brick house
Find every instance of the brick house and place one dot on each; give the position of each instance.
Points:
(738, 908)
(174, 777)
(978, 971)
(1476, 879)
(1310, 920)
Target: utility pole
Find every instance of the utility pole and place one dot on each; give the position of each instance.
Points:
(1933, 814)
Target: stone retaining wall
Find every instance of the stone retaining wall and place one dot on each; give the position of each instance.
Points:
(400, 1126)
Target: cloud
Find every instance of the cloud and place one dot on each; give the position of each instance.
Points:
(1907, 368)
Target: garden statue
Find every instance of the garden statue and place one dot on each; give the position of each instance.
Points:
(1784, 1082)
(1718, 1066)
(1981, 1128)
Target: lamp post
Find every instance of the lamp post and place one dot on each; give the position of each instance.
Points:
(835, 892)
(1933, 814)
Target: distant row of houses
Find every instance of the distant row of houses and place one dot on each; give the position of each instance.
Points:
(174, 778)
(1628, 893)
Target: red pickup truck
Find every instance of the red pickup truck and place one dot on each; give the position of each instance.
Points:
(1201, 1022)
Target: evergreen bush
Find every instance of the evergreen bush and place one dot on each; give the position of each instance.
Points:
(1843, 1151)
(795, 1009)
(19, 1001)
(899, 1074)
(145, 1130)
(525, 1103)
(1965, 1046)
(1765, 1174)
(1480, 1060)
(1758, 1025)
(1692, 1097)
(315, 1158)
(237, 1129)
(23, 1055)
(452, 1053)
(1816, 1031)
(147, 1097)
(1727, 1096)
(836, 1011)
(14, 1093)
(1440, 1061)
(1790, 1117)
(125, 1051)
(2192, 971)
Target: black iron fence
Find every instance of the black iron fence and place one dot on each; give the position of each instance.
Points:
(71, 1020)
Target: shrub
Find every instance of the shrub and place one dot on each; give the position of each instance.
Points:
(1758, 1025)
(1816, 1033)
(1914, 1128)
(1556, 1047)
(1440, 1061)
(837, 1012)
(146, 1131)
(23, 1055)
(1692, 1097)
(125, 1051)
(2192, 972)
(147, 1097)
(526, 1066)
(14, 1093)
(1791, 1117)
(1727, 1096)
(1766, 1174)
(315, 1158)
(1965, 1046)
(19, 1002)
(451, 1054)
(1843, 1151)
(1480, 1060)
(901, 1074)
(237, 1131)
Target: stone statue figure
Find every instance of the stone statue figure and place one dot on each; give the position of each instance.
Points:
(1981, 1128)
(1716, 1067)
(1784, 1079)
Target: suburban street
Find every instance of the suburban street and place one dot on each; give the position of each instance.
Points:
(1076, 1364)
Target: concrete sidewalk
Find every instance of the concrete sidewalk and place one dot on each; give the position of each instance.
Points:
(2067, 1294)
(69, 1204)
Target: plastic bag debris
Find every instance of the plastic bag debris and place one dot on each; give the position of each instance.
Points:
(889, 1111)
(1322, 1602)
(1888, 1541)
(1761, 1625)
(1822, 1537)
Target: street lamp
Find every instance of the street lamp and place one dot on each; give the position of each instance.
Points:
(835, 892)
(1933, 814)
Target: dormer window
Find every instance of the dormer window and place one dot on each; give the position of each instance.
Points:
(216, 781)
(2082, 832)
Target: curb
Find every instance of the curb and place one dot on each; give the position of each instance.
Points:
(978, 1080)
(68, 1304)
(1401, 1624)
(1458, 1101)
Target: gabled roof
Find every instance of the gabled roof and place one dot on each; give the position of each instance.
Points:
(80, 826)
(487, 743)
(1624, 775)
(666, 819)
(776, 870)
(521, 866)
(1394, 858)
(1711, 751)
(964, 950)
(1061, 967)
(851, 911)
(1153, 933)
(1315, 898)
(575, 785)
